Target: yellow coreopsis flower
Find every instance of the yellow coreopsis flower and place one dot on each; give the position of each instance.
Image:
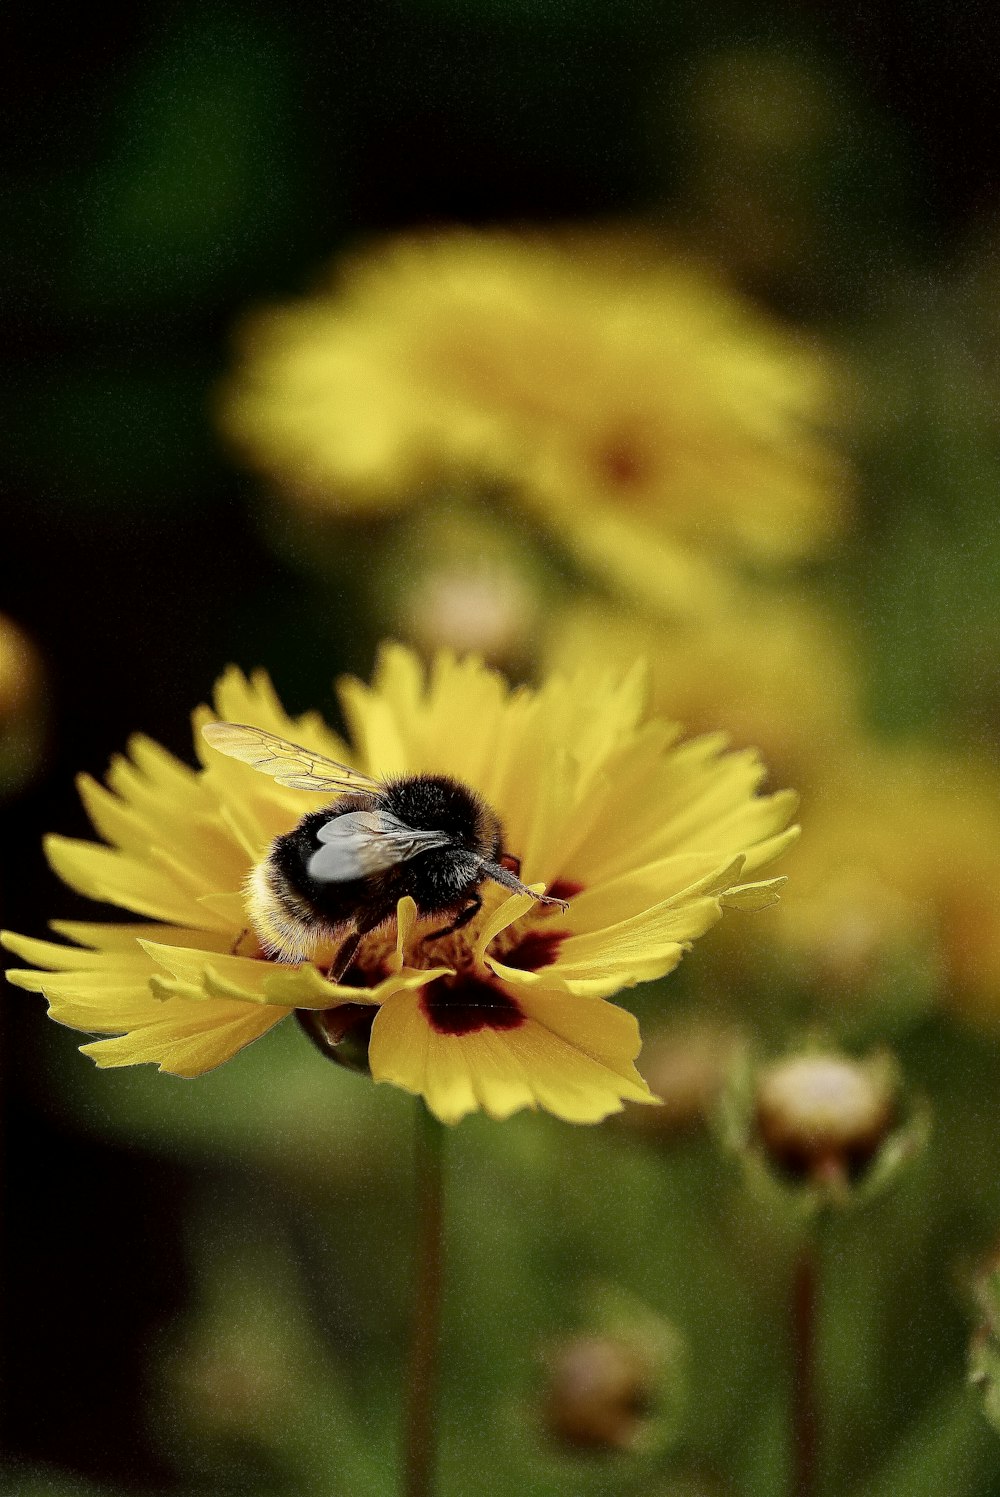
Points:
(640, 410)
(647, 839)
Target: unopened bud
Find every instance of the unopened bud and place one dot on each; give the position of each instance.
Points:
(822, 1127)
(459, 577)
(490, 610)
(984, 1351)
(601, 1392)
(341, 1034)
(822, 1117)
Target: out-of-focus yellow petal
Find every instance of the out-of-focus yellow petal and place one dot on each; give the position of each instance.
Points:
(374, 729)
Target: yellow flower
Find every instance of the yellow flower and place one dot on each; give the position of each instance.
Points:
(647, 838)
(647, 416)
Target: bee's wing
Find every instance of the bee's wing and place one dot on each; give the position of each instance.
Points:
(363, 842)
(288, 763)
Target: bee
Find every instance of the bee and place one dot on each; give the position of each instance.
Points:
(342, 870)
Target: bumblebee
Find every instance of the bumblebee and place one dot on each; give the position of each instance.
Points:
(343, 869)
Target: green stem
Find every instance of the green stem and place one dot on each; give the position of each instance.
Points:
(427, 1281)
(804, 1418)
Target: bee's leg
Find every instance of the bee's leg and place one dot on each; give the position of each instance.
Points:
(472, 909)
(511, 861)
(345, 956)
(234, 948)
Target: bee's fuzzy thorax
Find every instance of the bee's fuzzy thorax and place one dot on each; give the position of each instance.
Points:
(440, 802)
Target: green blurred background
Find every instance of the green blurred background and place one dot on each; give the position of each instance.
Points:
(207, 1282)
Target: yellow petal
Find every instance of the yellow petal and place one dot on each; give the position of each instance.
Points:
(639, 944)
(305, 987)
(406, 920)
(764, 852)
(752, 897)
(188, 1038)
(243, 976)
(115, 938)
(102, 873)
(55, 956)
(670, 880)
(504, 915)
(374, 729)
(573, 1057)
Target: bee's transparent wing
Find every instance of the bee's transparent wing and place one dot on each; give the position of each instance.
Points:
(288, 763)
(363, 842)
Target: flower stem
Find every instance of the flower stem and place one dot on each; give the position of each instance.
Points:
(804, 1421)
(427, 1278)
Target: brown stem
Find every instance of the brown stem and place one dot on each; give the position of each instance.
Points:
(804, 1304)
(427, 1279)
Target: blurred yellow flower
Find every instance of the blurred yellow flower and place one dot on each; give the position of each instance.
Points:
(646, 416)
(647, 838)
(777, 674)
(21, 706)
(902, 860)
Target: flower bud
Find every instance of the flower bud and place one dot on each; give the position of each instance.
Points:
(459, 578)
(600, 1394)
(488, 610)
(618, 1385)
(342, 1033)
(827, 1128)
(822, 1117)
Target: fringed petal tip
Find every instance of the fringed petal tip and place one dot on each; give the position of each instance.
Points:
(753, 897)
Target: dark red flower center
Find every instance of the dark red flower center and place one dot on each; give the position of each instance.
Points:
(565, 888)
(468, 1005)
(624, 461)
(535, 949)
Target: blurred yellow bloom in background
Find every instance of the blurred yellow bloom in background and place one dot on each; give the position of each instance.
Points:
(778, 674)
(648, 418)
(646, 837)
(902, 860)
(22, 706)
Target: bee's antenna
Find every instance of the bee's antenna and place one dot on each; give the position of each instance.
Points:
(501, 875)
